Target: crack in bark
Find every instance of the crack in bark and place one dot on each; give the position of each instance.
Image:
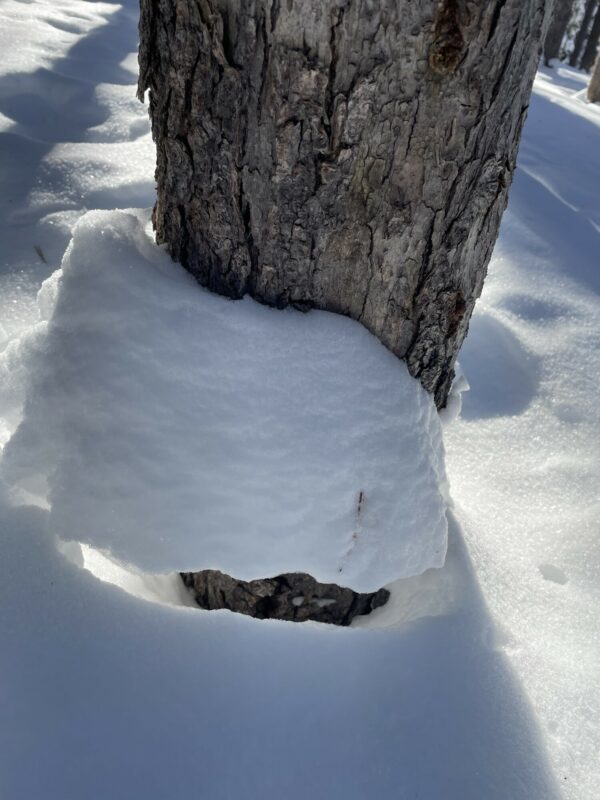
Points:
(503, 69)
(228, 47)
(275, 9)
(364, 304)
(336, 20)
(266, 52)
(495, 19)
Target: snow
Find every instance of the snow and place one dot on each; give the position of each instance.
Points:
(524, 458)
(478, 679)
(107, 695)
(66, 67)
(191, 432)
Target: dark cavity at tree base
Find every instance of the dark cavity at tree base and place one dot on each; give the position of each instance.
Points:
(295, 596)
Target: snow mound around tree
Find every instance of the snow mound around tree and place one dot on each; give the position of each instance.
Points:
(179, 430)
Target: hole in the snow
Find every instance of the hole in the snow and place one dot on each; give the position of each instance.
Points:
(295, 596)
(164, 589)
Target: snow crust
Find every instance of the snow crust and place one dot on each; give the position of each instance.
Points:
(189, 431)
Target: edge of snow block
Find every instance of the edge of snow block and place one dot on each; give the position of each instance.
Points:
(181, 431)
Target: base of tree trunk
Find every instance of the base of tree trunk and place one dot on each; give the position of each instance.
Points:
(295, 596)
(561, 14)
(341, 155)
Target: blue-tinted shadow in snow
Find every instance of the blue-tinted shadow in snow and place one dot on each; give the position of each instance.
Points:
(502, 375)
(111, 696)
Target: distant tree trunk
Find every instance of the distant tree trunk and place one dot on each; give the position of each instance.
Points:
(594, 86)
(348, 155)
(591, 46)
(582, 33)
(561, 15)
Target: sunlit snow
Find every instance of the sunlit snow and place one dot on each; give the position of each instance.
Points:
(478, 680)
(190, 432)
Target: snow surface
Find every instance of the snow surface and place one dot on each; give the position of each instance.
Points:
(524, 458)
(107, 695)
(478, 680)
(192, 432)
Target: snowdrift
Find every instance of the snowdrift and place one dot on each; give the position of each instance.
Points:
(179, 430)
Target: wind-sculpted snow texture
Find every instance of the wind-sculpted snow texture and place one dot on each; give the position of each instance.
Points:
(191, 432)
(477, 680)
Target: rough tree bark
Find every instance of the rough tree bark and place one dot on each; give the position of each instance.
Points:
(561, 15)
(594, 86)
(591, 46)
(349, 155)
(582, 33)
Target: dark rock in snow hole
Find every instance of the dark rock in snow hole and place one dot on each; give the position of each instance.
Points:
(294, 596)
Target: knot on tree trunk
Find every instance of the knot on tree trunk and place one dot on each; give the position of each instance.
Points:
(448, 46)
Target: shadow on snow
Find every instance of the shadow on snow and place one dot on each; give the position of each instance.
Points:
(127, 693)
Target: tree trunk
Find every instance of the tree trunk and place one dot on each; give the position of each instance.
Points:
(581, 35)
(348, 155)
(593, 92)
(558, 26)
(591, 46)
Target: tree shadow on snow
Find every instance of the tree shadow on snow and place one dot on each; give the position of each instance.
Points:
(51, 105)
(134, 699)
(503, 376)
(58, 104)
(563, 214)
(567, 77)
(576, 255)
(113, 696)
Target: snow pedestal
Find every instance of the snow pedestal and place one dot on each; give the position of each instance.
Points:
(182, 431)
